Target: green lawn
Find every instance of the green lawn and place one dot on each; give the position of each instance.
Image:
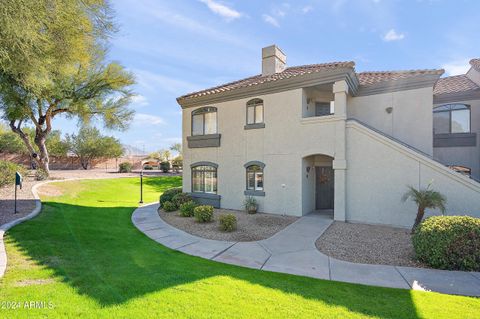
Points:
(83, 255)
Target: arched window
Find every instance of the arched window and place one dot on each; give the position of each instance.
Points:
(451, 118)
(254, 176)
(204, 178)
(255, 111)
(204, 121)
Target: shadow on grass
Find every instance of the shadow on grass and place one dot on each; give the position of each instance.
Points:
(101, 254)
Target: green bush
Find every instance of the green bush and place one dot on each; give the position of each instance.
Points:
(165, 166)
(228, 223)
(181, 198)
(168, 195)
(7, 172)
(449, 242)
(169, 206)
(125, 167)
(148, 167)
(186, 209)
(204, 213)
(41, 174)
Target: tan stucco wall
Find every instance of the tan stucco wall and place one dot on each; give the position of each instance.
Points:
(410, 120)
(464, 156)
(378, 174)
(281, 145)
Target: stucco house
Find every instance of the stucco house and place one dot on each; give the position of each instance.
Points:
(325, 137)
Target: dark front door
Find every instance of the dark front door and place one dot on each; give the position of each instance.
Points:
(324, 187)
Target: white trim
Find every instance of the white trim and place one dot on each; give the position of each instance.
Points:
(321, 119)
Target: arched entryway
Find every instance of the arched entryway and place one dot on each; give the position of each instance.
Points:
(318, 184)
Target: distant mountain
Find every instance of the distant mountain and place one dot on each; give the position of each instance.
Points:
(130, 150)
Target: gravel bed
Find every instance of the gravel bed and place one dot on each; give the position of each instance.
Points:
(25, 201)
(368, 244)
(249, 227)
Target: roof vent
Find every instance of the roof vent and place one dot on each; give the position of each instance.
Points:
(273, 60)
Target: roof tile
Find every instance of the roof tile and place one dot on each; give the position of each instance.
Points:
(259, 79)
(454, 84)
(371, 78)
(475, 63)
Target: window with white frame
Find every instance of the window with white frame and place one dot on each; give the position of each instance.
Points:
(451, 118)
(255, 178)
(255, 111)
(204, 179)
(204, 121)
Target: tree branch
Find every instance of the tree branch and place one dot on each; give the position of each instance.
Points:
(18, 130)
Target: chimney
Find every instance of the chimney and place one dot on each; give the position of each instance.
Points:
(273, 60)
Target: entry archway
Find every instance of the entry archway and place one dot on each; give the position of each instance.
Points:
(318, 184)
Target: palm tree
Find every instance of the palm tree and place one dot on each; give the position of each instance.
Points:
(424, 198)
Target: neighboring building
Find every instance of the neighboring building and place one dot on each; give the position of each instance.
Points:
(324, 137)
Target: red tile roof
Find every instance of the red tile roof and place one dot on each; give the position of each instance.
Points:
(370, 78)
(454, 84)
(259, 79)
(475, 63)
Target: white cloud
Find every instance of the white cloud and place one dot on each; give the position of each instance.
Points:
(162, 14)
(143, 119)
(155, 82)
(270, 20)
(222, 10)
(392, 35)
(456, 67)
(307, 9)
(139, 101)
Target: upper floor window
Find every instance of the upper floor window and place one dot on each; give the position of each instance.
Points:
(204, 121)
(255, 111)
(451, 118)
(204, 179)
(323, 108)
(255, 178)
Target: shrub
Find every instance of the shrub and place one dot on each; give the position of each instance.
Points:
(148, 167)
(250, 204)
(41, 174)
(187, 209)
(167, 195)
(449, 242)
(181, 198)
(204, 213)
(125, 167)
(169, 206)
(165, 166)
(228, 223)
(7, 172)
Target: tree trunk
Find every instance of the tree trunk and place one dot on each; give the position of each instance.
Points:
(418, 220)
(43, 158)
(26, 140)
(84, 162)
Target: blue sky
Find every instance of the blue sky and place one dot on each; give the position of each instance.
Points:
(175, 47)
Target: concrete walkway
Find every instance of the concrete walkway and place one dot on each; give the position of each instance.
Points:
(293, 251)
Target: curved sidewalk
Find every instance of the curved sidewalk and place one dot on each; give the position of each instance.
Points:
(7, 226)
(293, 251)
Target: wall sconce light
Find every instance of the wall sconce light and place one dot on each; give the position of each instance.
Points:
(389, 110)
(308, 169)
